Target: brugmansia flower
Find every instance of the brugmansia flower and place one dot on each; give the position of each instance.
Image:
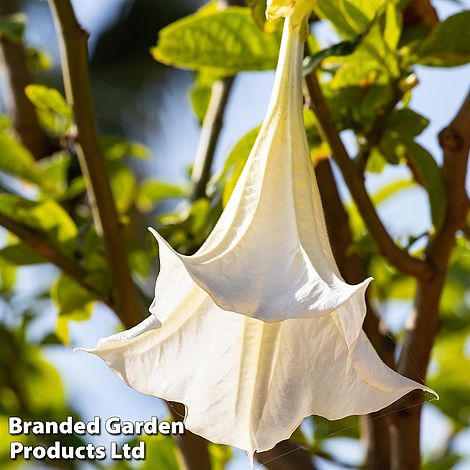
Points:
(247, 382)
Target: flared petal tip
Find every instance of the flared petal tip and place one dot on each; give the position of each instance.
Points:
(361, 287)
(87, 350)
(93, 351)
(163, 244)
(431, 391)
(161, 241)
(124, 337)
(154, 232)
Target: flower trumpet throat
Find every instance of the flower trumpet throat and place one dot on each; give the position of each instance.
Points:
(258, 330)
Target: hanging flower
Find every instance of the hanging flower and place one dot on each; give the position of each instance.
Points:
(247, 382)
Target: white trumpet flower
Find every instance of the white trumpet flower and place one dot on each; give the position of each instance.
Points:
(247, 382)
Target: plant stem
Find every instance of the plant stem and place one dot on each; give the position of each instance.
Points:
(17, 77)
(73, 43)
(74, 58)
(376, 427)
(386, 246)
(211, 127)
(423, 327)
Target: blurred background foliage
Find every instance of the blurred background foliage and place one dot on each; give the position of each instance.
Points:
(368, 63)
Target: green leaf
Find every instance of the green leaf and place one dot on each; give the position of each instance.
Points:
(429, 174)
(38, 60)
(123, 185)
(447, 461)
(220, 456)
(7, 277)
(76, 187)
(139, 260)
(405, 123)
(44, 388)
(53, 111)
(52, 172)
(188, 229)
(448, 45)
(219, 42)
(47, 217)
(161, 453)
(5, 122)
(371, 63)
(258, 11)
(115, 148)
(49, 174)
(25, 373)
(200, 94)
(400, 127)
(12, 27)
(319, 150)
(198, 214)
(389, 190)
(392, 26)
(450, 377)
(19, 254)
(349, 17)
(73, 302)
(15, 159)
(235, 162)
(342, 48)
(152, 191)
(363, 82)
(389, 284)
(346, 427)
(376, 161)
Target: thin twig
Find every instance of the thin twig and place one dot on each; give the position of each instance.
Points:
(211, 127)
(386, 246)
(74, 58)
(17, 77)
(49, 252)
